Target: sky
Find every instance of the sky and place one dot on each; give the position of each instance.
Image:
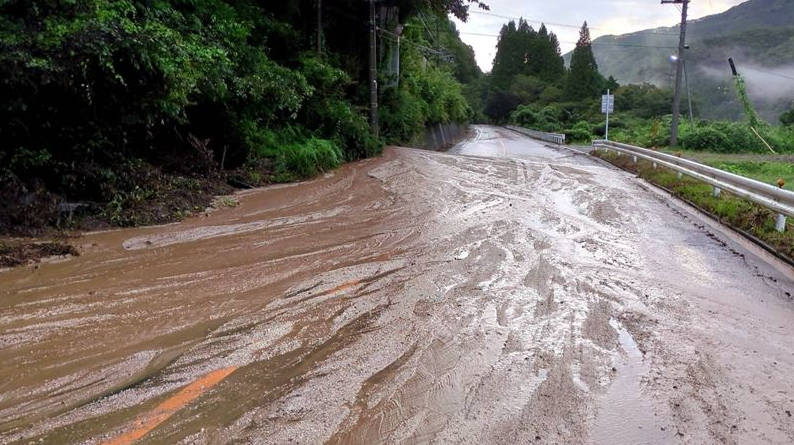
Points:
(565, 17)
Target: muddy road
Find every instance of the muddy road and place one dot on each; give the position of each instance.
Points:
(503, 293)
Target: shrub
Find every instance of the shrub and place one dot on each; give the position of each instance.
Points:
(544, 119)
(705, 138)
(579, 133)
(303, 160)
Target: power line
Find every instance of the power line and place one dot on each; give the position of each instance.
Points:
(626, 45)
(565, 25)
(388, 35)
(421, 18)
(768, 72)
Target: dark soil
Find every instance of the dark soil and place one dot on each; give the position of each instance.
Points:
(18, 253)
(29, 211)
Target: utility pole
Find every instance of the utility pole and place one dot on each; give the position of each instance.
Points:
(688, 95)
(373, 70)
(319, 29)
(679, 70)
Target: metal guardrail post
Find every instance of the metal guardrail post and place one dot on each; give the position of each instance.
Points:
(780, 223)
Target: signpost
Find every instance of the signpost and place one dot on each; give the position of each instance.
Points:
(607, 106)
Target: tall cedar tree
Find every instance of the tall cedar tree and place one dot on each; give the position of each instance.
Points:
(584, 81)
(522, 50)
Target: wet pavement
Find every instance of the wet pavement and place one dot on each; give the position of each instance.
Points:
(507, 292)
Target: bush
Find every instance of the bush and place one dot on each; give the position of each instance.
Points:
(579, 133)
(705, 138)
(425, 95)
(544, 119)
(331, 115)
(303, 160)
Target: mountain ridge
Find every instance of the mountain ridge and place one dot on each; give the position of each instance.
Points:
(758, 34)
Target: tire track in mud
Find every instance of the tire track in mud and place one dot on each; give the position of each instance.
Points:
(419, 297)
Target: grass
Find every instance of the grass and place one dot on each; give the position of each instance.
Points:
(765, 168)
(731, 210)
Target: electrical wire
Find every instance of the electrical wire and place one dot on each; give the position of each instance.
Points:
(564, 25)
(768, 72)
(388, 35)
(626, 45)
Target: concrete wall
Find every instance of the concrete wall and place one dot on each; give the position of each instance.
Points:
(440, 137)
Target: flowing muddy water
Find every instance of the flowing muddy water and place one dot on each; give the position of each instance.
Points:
(508, 293)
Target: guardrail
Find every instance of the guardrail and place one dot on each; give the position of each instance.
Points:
(769, 196)
(548, 137)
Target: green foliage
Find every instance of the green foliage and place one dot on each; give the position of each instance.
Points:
(705, 138)
(303, 160)
(500, 104)
(741, 92)
(426, 94)
(96, 88)
(332, 115)
(523, 51)
(583, 81)
(580, 132)
(544, 119)
(645, 100)
(767, 171)
(787, 118)
(756, 33)
(729, 209)
(717, 136)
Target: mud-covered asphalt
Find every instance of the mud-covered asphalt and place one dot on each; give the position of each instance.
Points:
(505, 293)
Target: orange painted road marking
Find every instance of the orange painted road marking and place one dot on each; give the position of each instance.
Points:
(165, 410)
(149, 421)
(341, 287)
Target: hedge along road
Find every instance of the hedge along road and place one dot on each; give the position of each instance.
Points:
(510, 293)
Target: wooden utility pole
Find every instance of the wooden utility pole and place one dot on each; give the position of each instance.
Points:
(678, 71)
(373, 70)
(319, 28)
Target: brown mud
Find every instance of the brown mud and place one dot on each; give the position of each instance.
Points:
(17, 252)
(519, 294)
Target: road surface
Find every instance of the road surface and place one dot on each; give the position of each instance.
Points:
(505, 293)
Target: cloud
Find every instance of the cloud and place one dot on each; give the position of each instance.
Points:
(603, 16)
(762, 82)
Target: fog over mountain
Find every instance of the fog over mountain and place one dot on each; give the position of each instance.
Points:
(758, 34)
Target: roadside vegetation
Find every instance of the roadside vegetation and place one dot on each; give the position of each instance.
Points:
(555, 99)
(761, 167)
(752, 219)
(125, 113)
(530, 87)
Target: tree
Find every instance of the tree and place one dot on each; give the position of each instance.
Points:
(500, 105)
(545, 59)
(458, 8)
(787, 118)
(584, 81)
(509, 56)
(523, 51)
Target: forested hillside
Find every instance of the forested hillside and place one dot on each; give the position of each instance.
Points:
(530, 86)
(133, 112)
(758, 34)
